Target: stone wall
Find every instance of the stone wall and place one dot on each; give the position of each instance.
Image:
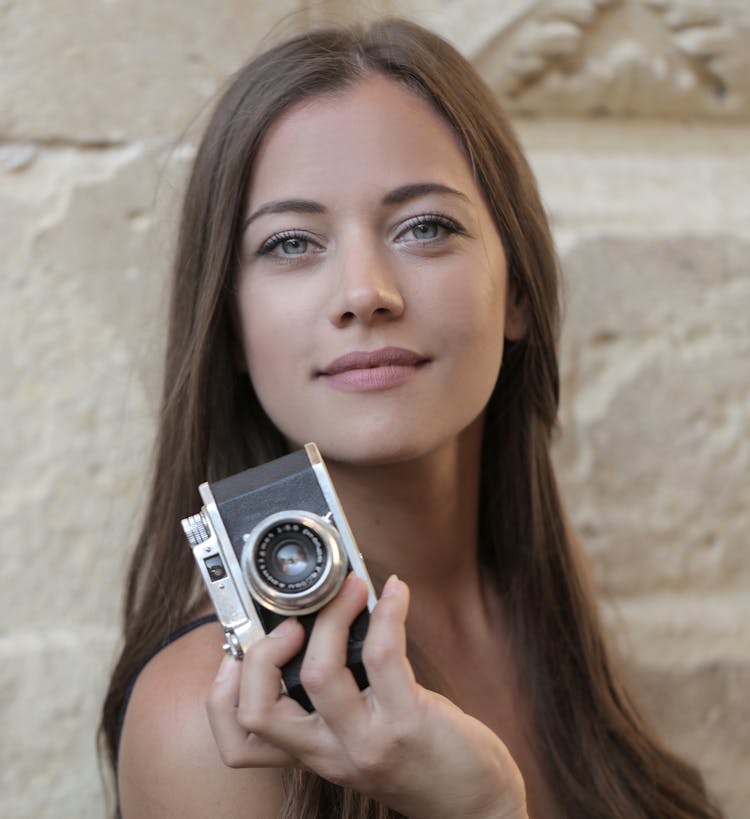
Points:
(636, 115)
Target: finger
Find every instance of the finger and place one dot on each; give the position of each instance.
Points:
(330, 685)
(262, 710)
(260, 685)
(384, 652)
(236, 747)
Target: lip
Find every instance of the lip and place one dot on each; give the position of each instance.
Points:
(363, 371)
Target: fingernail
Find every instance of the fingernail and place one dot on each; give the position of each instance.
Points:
(392, 586)
(225, 668)
(284, 628)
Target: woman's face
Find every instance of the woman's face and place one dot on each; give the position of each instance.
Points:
(372, 293)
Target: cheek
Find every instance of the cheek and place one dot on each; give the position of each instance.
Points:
(265, 307)
(264, 341)
(277, 335)
(473, 314)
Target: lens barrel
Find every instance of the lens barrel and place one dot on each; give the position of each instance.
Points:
(293, 562)
(290, 557)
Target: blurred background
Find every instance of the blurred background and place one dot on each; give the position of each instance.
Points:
(636, 117)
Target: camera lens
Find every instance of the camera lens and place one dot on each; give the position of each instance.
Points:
(293, 562)
(290, 561)
(290, 557)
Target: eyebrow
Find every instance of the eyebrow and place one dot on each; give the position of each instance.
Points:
(413, 191)
(397, 196)
(285, 206)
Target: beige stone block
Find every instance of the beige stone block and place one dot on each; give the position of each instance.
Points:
(704, 716)
(654, 454)
(650, 179)
(156, 65)
(90, 71)
(682, 630)
(51, 686)
(84, 277)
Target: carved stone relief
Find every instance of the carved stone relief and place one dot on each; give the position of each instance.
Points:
(623, 58)
(652, 58)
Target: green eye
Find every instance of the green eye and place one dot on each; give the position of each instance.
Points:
(294, 246)
(428, 227)
(287, 244)
(425, 230)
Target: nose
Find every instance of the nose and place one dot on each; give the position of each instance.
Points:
(366, 289)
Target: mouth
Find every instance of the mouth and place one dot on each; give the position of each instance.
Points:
(385, 357)
(362, 371)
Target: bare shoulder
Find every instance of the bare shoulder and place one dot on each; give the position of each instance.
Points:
(168, 763)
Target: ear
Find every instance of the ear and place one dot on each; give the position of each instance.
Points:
(516, 310)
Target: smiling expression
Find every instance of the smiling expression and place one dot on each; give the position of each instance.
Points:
(372, 287)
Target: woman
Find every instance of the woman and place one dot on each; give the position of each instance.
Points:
(364, 262)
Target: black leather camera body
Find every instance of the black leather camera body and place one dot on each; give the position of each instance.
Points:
(273, 542)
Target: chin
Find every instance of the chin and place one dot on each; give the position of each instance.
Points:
(386, 440)
(370, 449)
(365, 452)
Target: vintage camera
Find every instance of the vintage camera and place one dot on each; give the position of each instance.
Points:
(273, 542)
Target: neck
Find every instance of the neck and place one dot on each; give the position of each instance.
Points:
(419, 518)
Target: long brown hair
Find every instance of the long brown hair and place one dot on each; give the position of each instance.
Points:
(598, 755)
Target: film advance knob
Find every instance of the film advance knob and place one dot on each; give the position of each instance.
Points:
(195, 529)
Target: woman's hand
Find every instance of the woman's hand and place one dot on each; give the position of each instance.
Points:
(397, 742)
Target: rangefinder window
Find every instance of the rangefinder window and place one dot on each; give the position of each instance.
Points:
(215, 568)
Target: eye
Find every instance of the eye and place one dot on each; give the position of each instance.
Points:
(293, 246)
(288, 244)
(426, 228)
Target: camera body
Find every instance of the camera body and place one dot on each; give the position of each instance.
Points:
(273, 542)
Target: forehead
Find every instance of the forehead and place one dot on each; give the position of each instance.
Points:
(376, 135)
